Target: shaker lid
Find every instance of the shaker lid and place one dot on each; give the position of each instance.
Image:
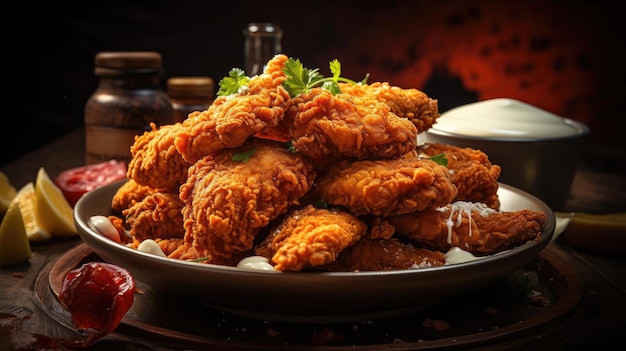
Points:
(129, 59)
(190, 86)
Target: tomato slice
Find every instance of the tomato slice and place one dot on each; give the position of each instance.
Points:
(76, 182)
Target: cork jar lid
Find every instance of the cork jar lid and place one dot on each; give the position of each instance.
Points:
(191, 86)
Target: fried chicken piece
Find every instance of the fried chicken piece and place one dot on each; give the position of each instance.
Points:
(155, 161)
(310, 237)
(227, 201)
(129, 193)
(385, 254)
(329, 127)
(473, 227)
(230, 120)
(471, 172)
(412, 104)
(157, 216)
(387, 187)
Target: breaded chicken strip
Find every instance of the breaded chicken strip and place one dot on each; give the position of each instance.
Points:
(230, 120)
(331, 127)
(387, 187)
(157, 216)
(156, 162)
(385, 254)
(310, 237)
(229, 198)
(471, 172)
(412, 104)
(129, 193)
(473, 227)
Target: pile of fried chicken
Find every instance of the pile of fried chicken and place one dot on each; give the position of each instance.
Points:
(318, 181)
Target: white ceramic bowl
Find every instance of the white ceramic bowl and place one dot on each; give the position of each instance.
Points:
(534, 156)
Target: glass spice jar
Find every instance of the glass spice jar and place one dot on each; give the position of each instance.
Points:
(262, 42)
(129, 96)
(189, 94)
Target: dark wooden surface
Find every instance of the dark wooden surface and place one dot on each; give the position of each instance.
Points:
(598, 320)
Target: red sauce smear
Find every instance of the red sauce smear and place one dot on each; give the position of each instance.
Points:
(97, 295)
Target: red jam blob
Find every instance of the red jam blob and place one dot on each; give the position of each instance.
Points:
(97, 295)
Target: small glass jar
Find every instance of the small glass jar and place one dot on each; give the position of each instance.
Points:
(262, 42)
(190, 94)
(128, 98)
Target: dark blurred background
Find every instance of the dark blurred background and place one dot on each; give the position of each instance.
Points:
(564, 56)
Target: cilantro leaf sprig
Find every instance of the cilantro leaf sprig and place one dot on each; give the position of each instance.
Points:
(300, 79)
(233, 82)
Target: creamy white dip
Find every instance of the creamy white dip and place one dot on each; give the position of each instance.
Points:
(506, 118)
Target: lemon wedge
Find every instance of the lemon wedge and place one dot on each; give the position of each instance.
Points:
(7, 193)
(26, 200)
(14, 244)
(54, 213)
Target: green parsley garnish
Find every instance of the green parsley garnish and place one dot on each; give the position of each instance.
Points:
(243, 156)
(290, 148)
(230, 85)
(440, 159)
(301, 79)
(321, 204)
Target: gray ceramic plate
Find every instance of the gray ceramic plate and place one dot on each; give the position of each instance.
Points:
(310, 297)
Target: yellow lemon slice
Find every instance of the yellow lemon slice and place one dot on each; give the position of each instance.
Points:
(7, 193)
(14, 244)
(26, 200)
(54, 213)
(600, 233)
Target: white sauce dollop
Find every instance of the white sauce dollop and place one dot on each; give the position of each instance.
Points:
(458, 255)
(256, 262)
(506, 118)
(150, 246)
(103, 226)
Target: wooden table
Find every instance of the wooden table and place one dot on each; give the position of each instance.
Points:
(596, 317)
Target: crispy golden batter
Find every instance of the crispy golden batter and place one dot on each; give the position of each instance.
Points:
(230, 120)
(157, 216)
(471, 172)
(310, 237)
(328, 127)
(473, 227)
(385, 254)
(212, 187)
(228, 201)
(129, 193)
(156, 162)
(387, 187)
(412, 104)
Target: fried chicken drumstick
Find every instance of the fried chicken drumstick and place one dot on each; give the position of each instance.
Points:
(385, 254)
(329, 127)
(232, 119)
(473, 227)
(412, 104)
(310, 237)
(474, 176)
(228, 199)
(387, 187)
